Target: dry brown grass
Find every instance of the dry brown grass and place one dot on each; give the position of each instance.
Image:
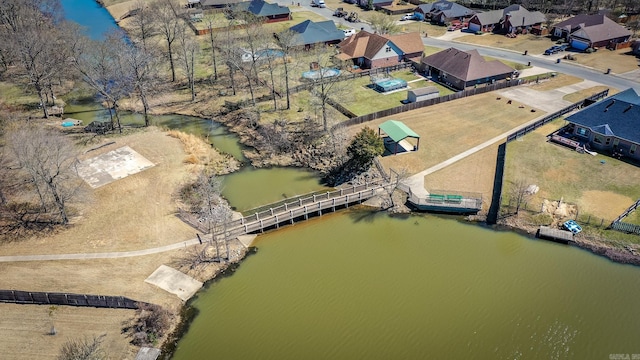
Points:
(474, 173)
(24, 330)
(582, 94)
(556, 82)
(531, 43)
(199, 152)
(133, 213)
(619, 61)
(450, 128)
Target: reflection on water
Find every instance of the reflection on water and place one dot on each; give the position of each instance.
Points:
(354, 285)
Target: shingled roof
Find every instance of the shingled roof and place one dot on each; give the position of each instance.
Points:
(466, 65)
(596, 27)
(309, 32)
(617, 115)
(519, 15)
(365, 44)
(262, 8)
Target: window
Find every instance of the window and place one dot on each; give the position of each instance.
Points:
(388, 49)
(632, 150)
(608, 141)
(597, 139)
(616, 142)
(582, 131)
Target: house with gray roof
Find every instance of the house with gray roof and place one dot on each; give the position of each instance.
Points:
(591, 31)
(309, 33)
(270, 12)
(512, 19)
(215, 4)
(463, 69)
(377, 4)
(443, 12)
(611, 125)
(368, 50)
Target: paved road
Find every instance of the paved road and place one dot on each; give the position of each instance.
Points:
(612, 80)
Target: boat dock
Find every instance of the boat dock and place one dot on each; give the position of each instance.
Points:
(557, 235)
(454, 202)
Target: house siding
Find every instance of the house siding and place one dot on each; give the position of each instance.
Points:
(607, 144)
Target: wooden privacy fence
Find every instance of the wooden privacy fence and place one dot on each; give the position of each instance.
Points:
(556, 115)
(45, 298)
(627, 212)
(438, 100)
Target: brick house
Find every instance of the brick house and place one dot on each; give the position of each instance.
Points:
(591, 31)
(270, 12)
(610, 126)
(368, 50)
(443, 12)
(463, 69)
(512, 19)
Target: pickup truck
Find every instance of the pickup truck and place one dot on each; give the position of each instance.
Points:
(318, 3)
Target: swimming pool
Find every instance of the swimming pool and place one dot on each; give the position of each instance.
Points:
(317, 74)
(390, 85)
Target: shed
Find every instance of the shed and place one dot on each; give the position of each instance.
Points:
(424, 93)
(397, 131)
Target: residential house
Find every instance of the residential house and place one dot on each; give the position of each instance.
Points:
(368, 50)
(377, 4)
(443, 12)
(512, 19)
(216, 4)
(270, 12)
(462, 69)
(611, 125)
(309, 33)
(591, 31)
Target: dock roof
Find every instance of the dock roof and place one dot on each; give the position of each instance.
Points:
(397, 130)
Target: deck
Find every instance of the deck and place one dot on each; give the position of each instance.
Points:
(448, 202)
(561, 236)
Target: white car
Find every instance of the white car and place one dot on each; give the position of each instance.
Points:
(349, 32)
(408, 17)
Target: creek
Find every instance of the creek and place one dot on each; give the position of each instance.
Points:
(359, 284)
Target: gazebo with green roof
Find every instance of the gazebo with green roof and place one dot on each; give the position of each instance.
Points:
(398, 131)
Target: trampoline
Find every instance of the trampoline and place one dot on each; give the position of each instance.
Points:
(386, 85)
(317, 74)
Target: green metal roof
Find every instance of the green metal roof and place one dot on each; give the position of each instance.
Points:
(397, 130)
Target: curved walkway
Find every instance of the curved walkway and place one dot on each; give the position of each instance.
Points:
(105, 255)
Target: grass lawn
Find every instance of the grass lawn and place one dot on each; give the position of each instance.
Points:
(422, 27)
(531, 43)
(603, 190)
(619, 61)
(450, 128)
(430, 50)
(367, 100)
(556, 82)
(582, 94)
(474, 173)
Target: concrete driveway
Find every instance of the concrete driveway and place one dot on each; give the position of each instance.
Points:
(549, 101)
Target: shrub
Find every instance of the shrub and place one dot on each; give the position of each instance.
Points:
(149, 324)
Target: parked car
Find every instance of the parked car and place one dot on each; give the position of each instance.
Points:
(318, 3)
(572, 226)
(349, 32)
(555, 49)
(408, 17)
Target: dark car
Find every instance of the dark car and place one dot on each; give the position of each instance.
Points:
(556, 49)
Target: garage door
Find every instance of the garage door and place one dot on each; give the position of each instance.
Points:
(579, 44)
(474, 27)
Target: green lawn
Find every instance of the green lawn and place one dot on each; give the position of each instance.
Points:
(366, 100)
(601, 187)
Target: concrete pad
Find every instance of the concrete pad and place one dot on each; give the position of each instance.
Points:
(175, 282)
(111, 166)
(247, 240)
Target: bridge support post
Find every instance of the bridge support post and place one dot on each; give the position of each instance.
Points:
(291, 216)
(300, 202)
(320, 209)
(306, 214)
(261, 227)
(277, 222)
(334, 205)
(346, 202)
(271, 209)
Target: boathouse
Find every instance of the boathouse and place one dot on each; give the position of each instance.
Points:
(396, 137)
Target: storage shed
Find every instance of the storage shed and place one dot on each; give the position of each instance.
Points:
(424, 93)
(397, 133)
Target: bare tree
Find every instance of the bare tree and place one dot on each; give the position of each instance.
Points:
(383, 23)
(142, 25)
(48, 160)
(188, 48)
(518, 192)
(169, 25)
(142, 66)
(213, 39)
(286, 42)
(83, 349)
(326, 84)
(103, 69)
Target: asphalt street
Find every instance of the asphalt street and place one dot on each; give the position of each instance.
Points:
(616, 81)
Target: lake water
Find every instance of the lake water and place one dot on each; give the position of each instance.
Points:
(94, 19)
(363, 285)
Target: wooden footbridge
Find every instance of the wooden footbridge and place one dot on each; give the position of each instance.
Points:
(296, 209)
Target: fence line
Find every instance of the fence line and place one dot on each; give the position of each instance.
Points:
(626, 212)
(438, 100)
(45, 298)
(556, 115)
(626, 227)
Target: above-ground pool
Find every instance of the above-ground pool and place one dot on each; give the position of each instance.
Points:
(317, 74)
(262, 54)
(389, 85)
